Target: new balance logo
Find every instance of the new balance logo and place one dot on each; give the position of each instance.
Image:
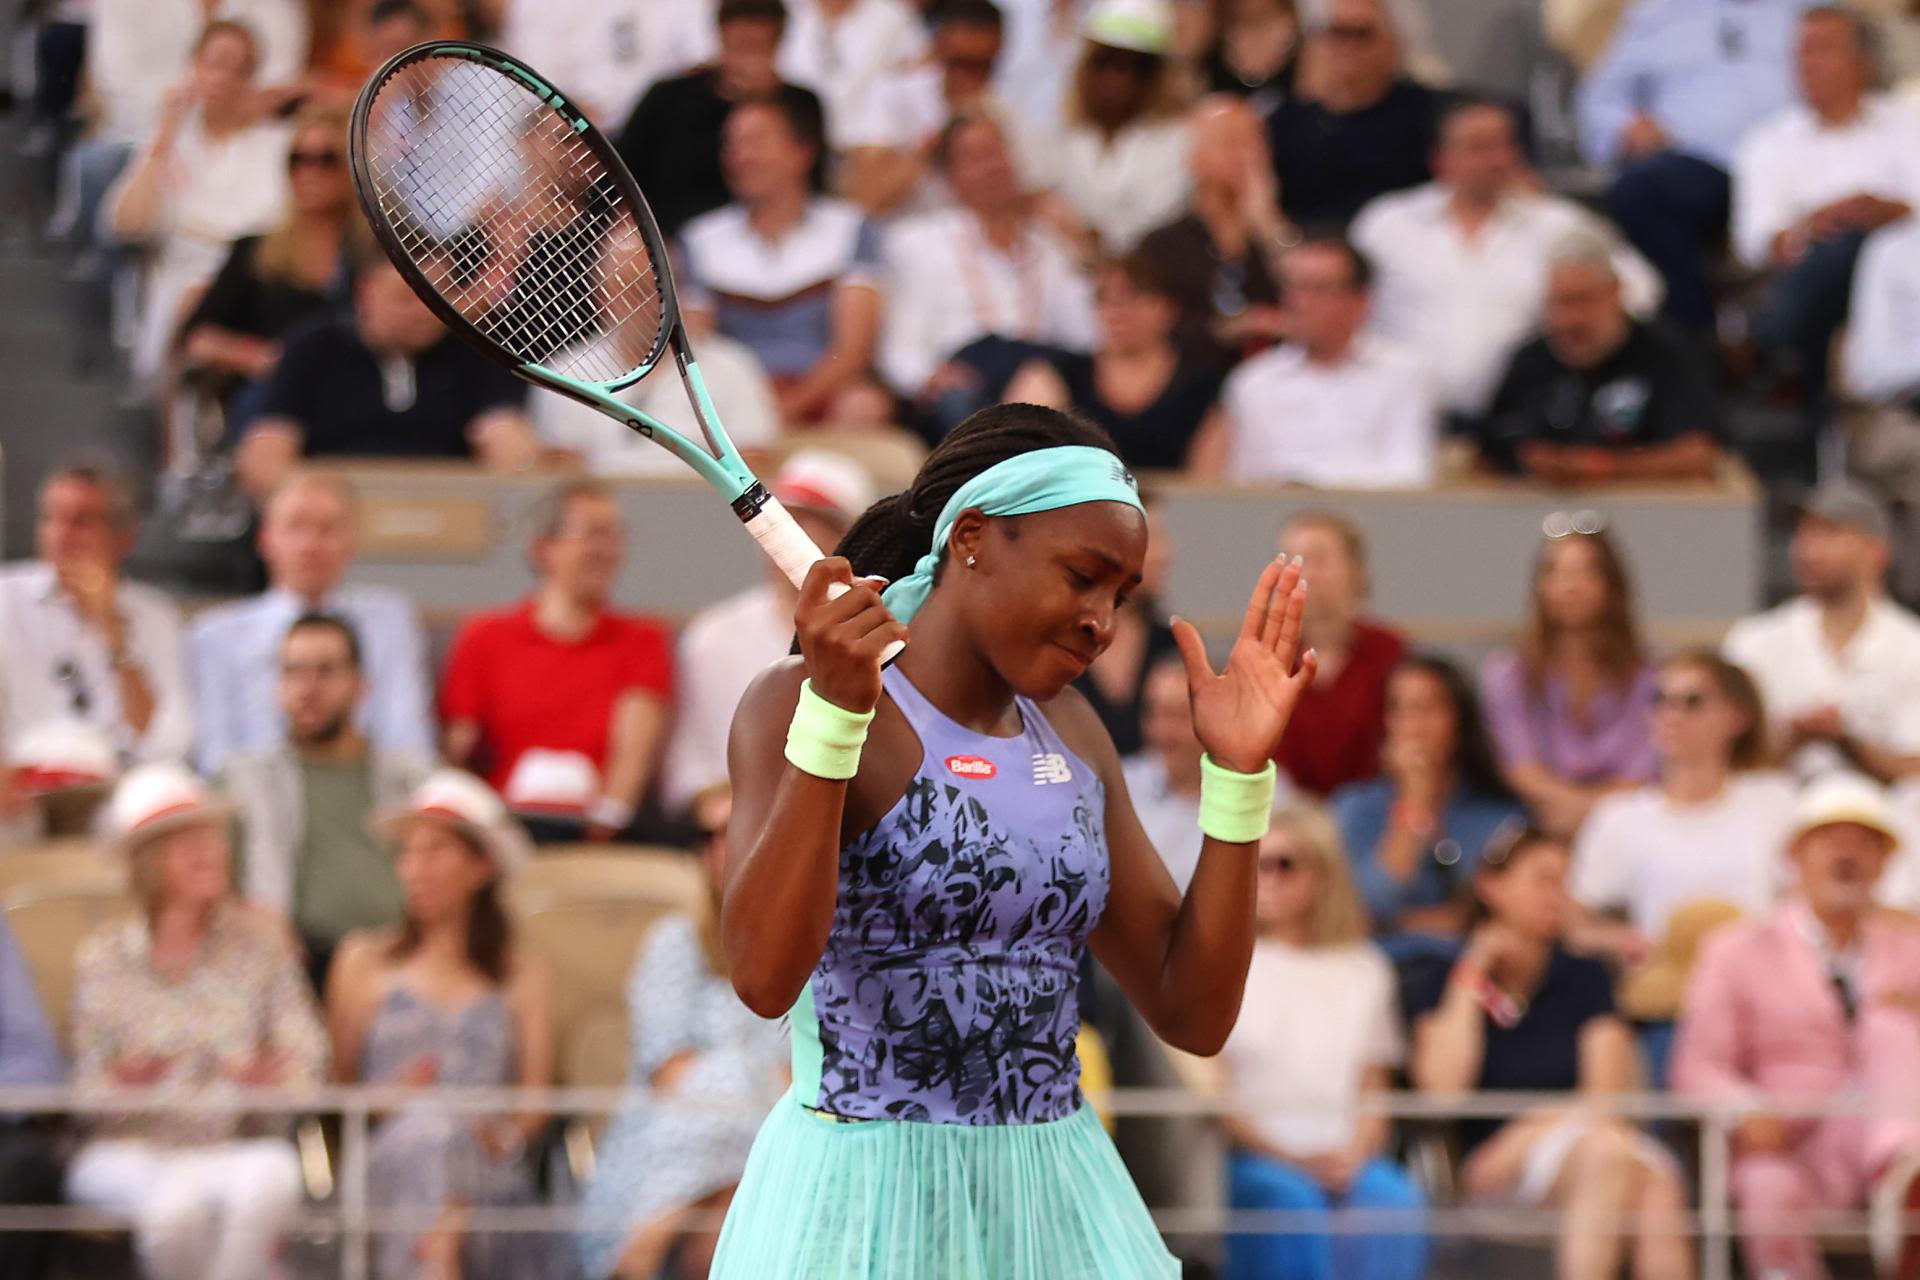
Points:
(1051, 767)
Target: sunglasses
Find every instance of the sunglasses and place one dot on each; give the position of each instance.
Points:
(1680, 699)
(1284, 865)
(313, 159)
(1563, 524)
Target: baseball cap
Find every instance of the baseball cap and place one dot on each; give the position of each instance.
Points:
(1144, 26)
(1848, 506)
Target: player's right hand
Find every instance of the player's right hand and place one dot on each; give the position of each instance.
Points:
(842, 638)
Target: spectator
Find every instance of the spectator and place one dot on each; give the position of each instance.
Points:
(1881, 357)
(1664, 107)
(214, 170)
(727, 644)
(1137, 385)
(1120, 168)
(672, 140)
(386, 381)
(792, 275)
(1810, 182)
(352, 41)
(844, 50)
(564, 700)
(1115, 685)
(1569, 704)
(1337, 406)
(659, 1163)
(1417, 831)
(29, 1168)
(1367, 130)
(1600, 395)
(1814, 999)
(231, 340)
(304, 802)
(1255, 53)
(199, 996)
(948, 350)
(77, 642)
(1319, 1026)
(449, 999)
(235, 650)
(604, 54)
(1519, 1012)
(1838, 665)
(1334, 735)
(1463, 261)
(1223, 256)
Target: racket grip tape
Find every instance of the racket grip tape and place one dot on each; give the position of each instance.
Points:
(793, 552)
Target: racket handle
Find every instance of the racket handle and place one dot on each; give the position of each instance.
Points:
(793, 552)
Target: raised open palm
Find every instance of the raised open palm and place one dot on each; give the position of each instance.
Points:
(1240, 711)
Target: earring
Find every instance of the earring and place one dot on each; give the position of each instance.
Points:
(970, 562)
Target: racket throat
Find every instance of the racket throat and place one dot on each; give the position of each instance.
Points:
(752, 502)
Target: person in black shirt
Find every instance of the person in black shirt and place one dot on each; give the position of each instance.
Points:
(672, 140)
(1367, 130)
(1600, 395)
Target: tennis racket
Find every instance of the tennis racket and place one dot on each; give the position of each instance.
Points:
(511, 216)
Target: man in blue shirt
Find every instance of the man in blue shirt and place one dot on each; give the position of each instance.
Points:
(29, 1173)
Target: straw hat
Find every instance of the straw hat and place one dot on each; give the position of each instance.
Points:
(154, 799)
(468, 805)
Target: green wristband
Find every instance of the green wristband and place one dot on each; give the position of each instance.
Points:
(1235, 807)
(825, 740)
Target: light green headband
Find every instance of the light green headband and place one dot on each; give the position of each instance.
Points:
(1043, 480)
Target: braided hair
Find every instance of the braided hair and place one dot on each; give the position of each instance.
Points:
(895, 532)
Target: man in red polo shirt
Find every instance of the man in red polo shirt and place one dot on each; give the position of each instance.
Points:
(562, 703)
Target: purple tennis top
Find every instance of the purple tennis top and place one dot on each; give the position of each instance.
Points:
(949, 988)
(1610, 741)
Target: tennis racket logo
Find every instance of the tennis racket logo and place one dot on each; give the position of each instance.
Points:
(971, 767)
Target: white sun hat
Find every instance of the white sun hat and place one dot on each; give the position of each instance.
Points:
(468, 805)
(153, 799)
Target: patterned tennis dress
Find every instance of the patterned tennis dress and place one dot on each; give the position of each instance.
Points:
(935, 1130)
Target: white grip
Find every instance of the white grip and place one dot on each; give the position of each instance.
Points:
(793, 552)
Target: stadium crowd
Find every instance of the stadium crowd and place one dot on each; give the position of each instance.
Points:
(1325, 243)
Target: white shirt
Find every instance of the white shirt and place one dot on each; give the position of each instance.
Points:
(720, 652)
(139, 49)
(725, 255)
(742, 397)
(1125, 187)
(845, 59)
(1792, 164)
(1311, 1023)
(947, 286)
(908, 109)
(1874, 682)
(1641, 852)
(1367, 422)
(604, 54)
(51, 663)
(1466, 303)
(1882, 347)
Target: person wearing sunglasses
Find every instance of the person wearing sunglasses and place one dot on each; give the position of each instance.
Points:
(1318, 1027)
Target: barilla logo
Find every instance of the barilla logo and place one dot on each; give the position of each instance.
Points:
(971, 767)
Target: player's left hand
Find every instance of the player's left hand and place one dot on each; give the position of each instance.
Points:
(1240, 712)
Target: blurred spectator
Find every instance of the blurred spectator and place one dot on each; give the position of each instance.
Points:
(1412, 25)
(660, 1163)
(77, 642)
(448, 999)
(1463, 261)
(1815, 998)
(1255, 52)
(604, 54)
(1665, 106)
(235, 652)
(1115, 685)
(354, 39)
(1337, 406)
(1417, 831)
(564, 700)
(1880, 353)
(1569, 704)
(1333, 737)
(215, 169)
(232, 338)
(950, 350)
(386, 381)
(1838, 665)
(1120, 167)
(1138, 386)
(672, 140)
(304, 802)
(195, 994)
(1520, 1012)
(1812, 181)
(1319, 1025)
(727, 644)
(1222, 258)
(792, 275)
(1600, 395)
(1366, 130)
(844, 50)
(29, 1167)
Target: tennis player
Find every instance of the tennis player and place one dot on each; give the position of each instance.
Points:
(922, 852)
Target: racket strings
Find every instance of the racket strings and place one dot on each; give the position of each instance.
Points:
(513, 219)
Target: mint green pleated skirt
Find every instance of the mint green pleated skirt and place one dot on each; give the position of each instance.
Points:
(898, 1200)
